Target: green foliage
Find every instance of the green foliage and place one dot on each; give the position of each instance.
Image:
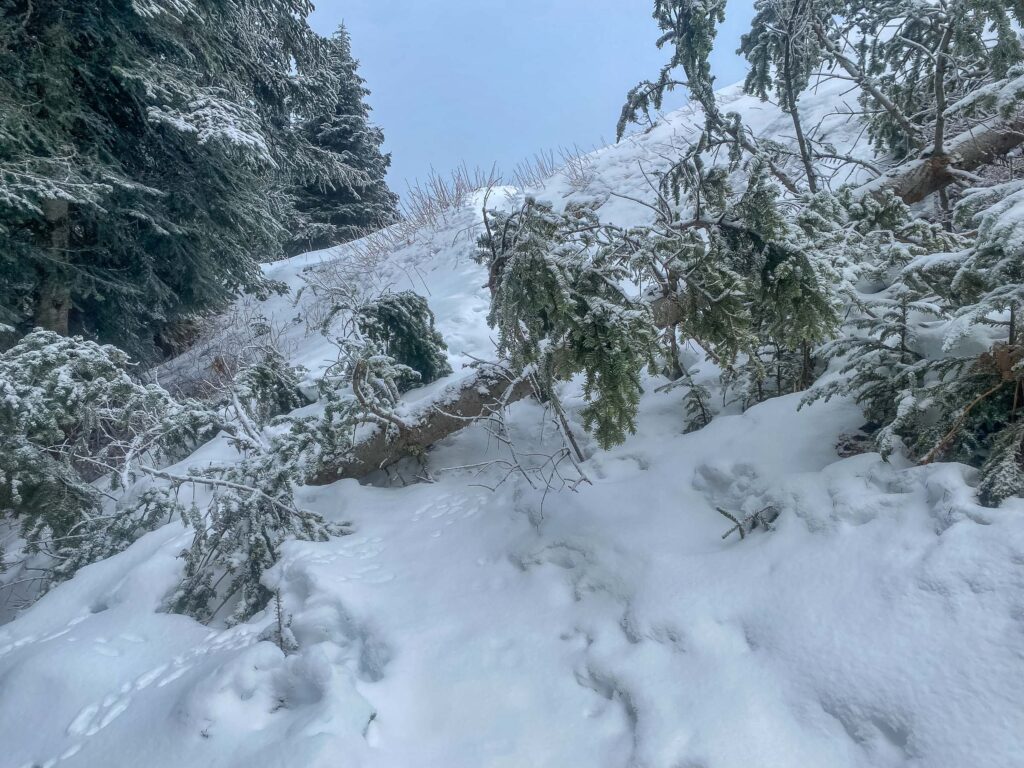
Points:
(252, 509)
(402, 326)
(929, 399)
(1002, 474)
(70, 414)
(144, 149)
(758, 282)
(73, 422)
(559, 308)
(333, 211)
(904, 43)
(239, 533)
(110, 531)
(689, 27)
(782, 48)
(739, 277)
(268, 387)
(883, 369)
(698, 407)
(988, 283)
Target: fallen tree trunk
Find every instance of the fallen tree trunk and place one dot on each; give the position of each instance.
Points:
(915, 180)
(488, 390)
(491, 388)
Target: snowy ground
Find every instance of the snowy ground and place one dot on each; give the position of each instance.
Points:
(880, 624)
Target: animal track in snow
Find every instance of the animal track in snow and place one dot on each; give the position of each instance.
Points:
(95, 717)
(146, 679)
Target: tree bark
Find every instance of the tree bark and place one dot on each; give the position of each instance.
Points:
(791, 101)
(915, 180)
(53, 296)
(464, 402)
(484, 392)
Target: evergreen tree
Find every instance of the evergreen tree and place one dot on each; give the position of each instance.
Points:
(71, 413)
(75, 427)
(927, 400)
(142, 148)
(783, 52)
(403, 326)
(559, 310)
(924, 58)
(690, 27)
(330, 212)
(989, 280)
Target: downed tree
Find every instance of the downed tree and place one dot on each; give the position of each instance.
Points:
(489, 389)
(915, 180)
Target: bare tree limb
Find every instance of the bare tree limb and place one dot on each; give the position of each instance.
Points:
(866, 83)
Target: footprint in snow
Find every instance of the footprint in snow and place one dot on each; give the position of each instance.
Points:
(82, 721)
(174, 675)
(101, 646)
(95, 717)
(148, 678)
(51, 636)
(17, 644)
(70, 752)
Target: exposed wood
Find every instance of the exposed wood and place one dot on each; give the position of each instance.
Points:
(916, 180)
(492, 388)
(941, 446)
(487, 390)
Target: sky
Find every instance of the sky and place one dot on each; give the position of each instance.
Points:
(496, 81)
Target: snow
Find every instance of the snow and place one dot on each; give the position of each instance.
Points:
(880, 623)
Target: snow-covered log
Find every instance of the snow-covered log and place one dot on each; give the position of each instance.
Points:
(464, 402)
(488, 390)
(915, 180)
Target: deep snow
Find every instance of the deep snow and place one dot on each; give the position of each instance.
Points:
(880, 624)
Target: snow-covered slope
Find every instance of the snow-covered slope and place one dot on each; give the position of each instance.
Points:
(881, 622)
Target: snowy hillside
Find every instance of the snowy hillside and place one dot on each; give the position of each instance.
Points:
(480, 619)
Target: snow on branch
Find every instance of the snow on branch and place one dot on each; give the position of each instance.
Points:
(215, 119)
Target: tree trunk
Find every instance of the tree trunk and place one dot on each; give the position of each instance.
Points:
(868, 85)
(791, 102)
(464, 402)
(477, 396)
(916, 180)
(53, 295)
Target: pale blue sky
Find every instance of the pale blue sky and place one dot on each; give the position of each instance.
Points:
(485, 81)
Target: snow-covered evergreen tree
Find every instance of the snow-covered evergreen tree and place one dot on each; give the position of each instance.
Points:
(71, 414)
(783, 52)
(142, 149)
(402, 325)
(330, 211)
(559, 310)
(923, 58)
